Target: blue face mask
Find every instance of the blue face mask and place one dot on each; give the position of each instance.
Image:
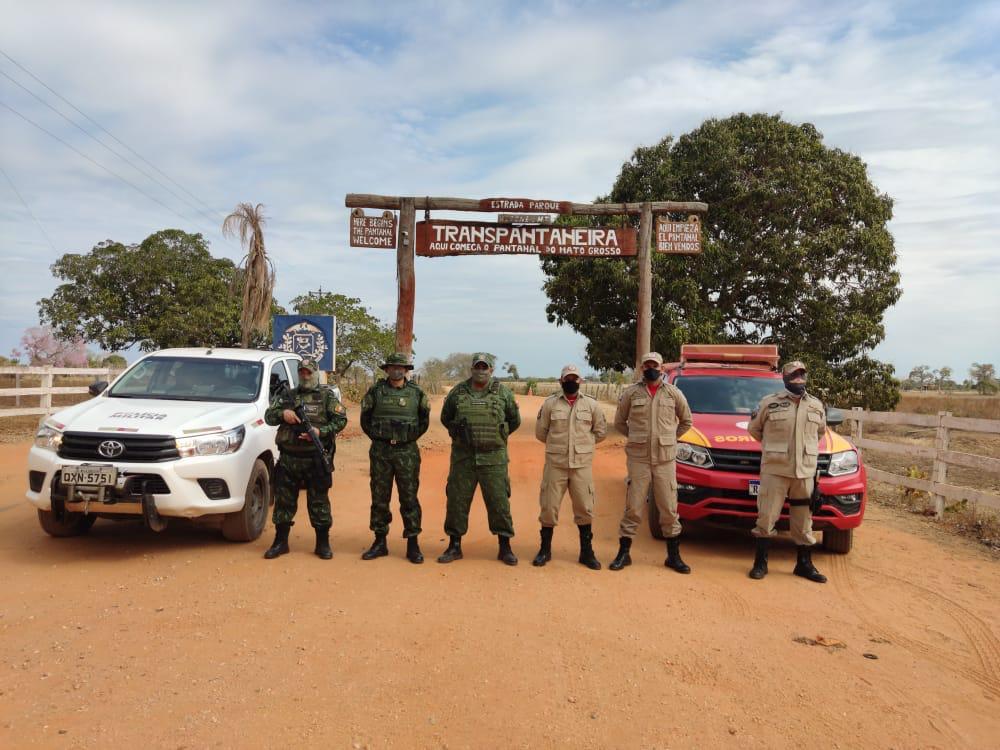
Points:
(651, 374)
(796, 389)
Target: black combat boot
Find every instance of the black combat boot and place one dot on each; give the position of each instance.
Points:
(587, 549)
(506, 554)
(280, 544)
(454, 551)
(413, 553)
(323, 551)
(674, 561)
(804, 566)
(623, 557)
(378, 548)
(545, 551)
(759, 569)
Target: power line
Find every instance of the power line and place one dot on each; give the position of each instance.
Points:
(104, 145)
(28, 209)
(112, 135)
(77, 151)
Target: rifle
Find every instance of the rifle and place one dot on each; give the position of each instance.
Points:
(304, 427)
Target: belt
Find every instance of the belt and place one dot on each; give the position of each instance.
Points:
(394, 443)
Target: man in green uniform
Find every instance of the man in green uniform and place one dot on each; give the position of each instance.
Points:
(394, 414)
(299, 464)
(480, 413)
(788, 424)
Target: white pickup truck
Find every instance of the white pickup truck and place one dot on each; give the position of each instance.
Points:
(180, 433)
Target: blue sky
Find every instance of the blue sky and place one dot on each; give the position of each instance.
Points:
(296, 104)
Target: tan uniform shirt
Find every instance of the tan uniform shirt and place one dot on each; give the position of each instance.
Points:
(570, 432)
(789, 434)
(652, 424)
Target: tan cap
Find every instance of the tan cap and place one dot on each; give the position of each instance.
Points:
(570, 370)
(791, 367)
(652, 356)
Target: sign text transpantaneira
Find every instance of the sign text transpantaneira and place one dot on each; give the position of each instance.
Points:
(439, 238)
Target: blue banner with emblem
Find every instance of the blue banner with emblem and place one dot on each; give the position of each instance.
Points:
(309, 336)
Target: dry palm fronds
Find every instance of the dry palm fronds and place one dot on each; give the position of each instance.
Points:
(256, 270)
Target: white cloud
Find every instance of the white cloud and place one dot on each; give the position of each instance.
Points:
(296, 105)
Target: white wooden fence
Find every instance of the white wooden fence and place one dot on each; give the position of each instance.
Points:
(47, 389)
(941, 455)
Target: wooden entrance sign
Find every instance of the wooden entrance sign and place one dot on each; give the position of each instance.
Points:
(373, 231)
(598, 244)
(678, 237)
(441, 238)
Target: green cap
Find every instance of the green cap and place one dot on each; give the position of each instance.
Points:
(400, 359)
(309, 364)
(484, 357)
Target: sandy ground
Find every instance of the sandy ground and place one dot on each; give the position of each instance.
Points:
(181, 640)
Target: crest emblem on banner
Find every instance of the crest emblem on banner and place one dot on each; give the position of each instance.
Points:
(306, 340)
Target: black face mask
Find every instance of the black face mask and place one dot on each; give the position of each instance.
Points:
(796, 389)
(651, 374)
(570, 387)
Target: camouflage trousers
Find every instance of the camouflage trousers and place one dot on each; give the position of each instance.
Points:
(402, 463)
(292, 473)
(493, 481)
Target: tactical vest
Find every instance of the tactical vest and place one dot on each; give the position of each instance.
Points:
(314, 404)
(480, 418)
(395, 416)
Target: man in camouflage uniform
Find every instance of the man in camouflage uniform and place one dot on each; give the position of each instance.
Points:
(651, 415)
(788, 425)
(394, 414)
(480, 413)
(298, 463)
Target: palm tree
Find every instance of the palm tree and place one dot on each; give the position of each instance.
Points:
(256, 272)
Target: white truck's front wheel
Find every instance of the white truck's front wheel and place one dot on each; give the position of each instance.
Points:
(71, 524)
(247, 524)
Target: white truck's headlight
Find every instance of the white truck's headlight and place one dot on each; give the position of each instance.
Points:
(845, 462)
(48, 437)
(695, 455)
(213, 444)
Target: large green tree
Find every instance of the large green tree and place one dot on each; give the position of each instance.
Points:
(166, 291)
(796, 252)
(361, 338)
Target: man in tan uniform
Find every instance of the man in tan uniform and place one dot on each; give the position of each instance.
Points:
(570, 424)
(788, 425)
(652, 414)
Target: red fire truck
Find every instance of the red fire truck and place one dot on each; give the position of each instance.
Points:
(718, 463)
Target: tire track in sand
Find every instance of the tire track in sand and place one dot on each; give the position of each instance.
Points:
(980, 640)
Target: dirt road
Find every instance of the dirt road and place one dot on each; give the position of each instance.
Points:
(129, 638)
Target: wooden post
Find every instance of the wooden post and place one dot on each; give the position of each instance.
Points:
(939, 472)
(405, 247)
(857, 428)
(644, 314)
(17, 384)
(45, 400)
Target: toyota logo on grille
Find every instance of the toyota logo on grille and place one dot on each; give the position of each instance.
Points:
(111, 448)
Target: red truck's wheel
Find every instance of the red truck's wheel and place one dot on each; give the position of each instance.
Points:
(838, 541)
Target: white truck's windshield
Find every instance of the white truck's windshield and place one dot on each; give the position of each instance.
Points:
(722, 394)
(190, 379)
